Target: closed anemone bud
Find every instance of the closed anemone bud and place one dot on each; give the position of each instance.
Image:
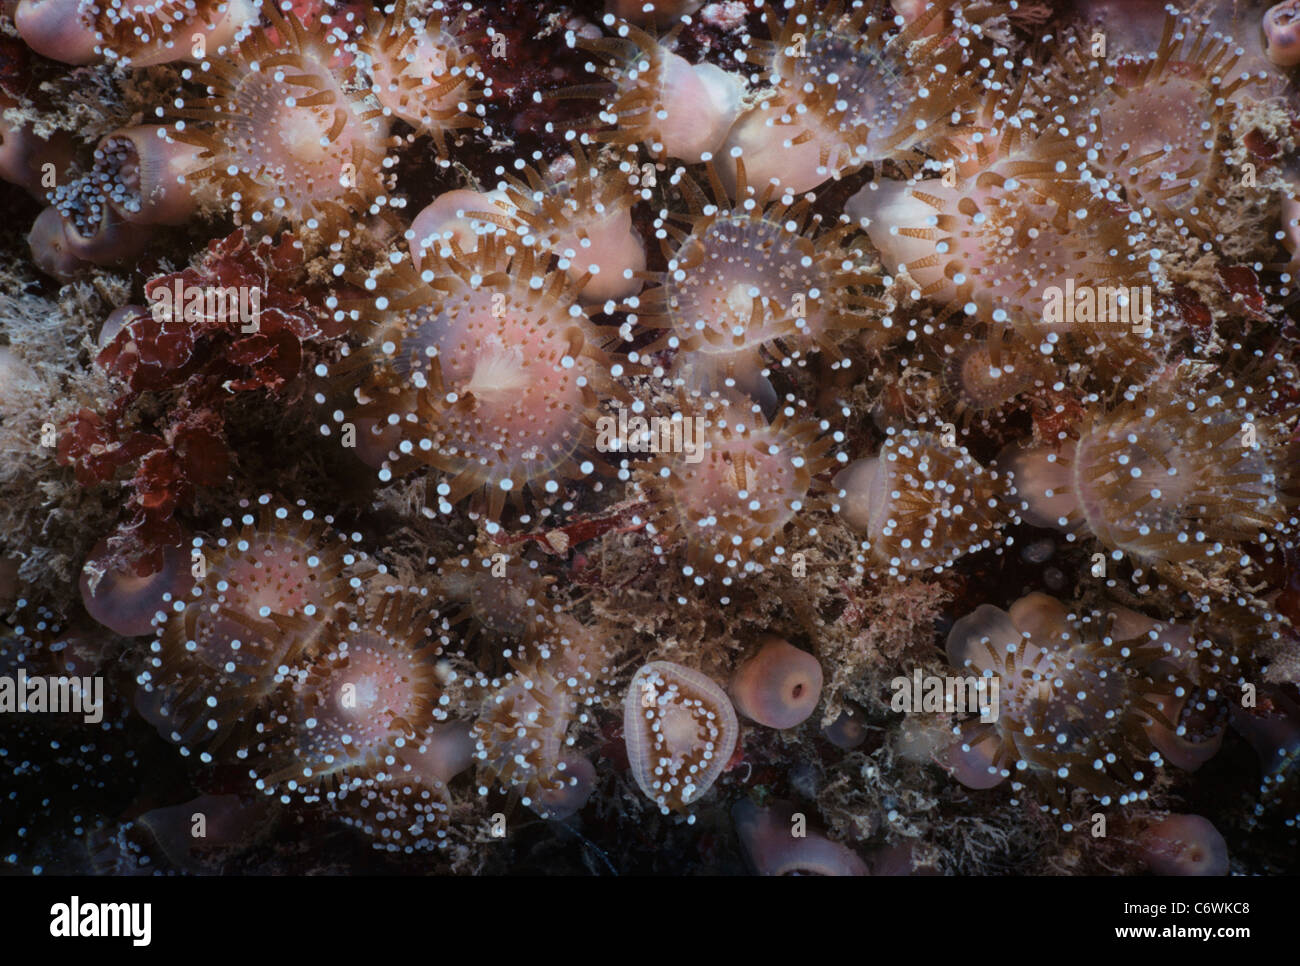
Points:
(49, 246)
(1282, 33)
(680, 730)
(424, 72)
(1273, 728)
(126, 602)
(771, 846)
(17, 380)
(144, 172)
(1184, 845)
(93, 230)
(847, 731)
(24, 154)
(779, 686)
(677, 109)
(731, 492)
(846, 91)
(370, 689)
(920, 503)
(377, 440)
(283, 136)
(492, 374)
(58, 29)
(457, 217)
(1073, 701)
(582, 213)
(141, 33)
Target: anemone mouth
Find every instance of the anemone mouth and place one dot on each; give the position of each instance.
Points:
(367, 688)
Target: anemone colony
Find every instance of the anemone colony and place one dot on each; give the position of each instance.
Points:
(542, 435)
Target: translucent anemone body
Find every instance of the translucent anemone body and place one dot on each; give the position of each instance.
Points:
(1013, 245)
(1179, 478)
(1157, 127)
(157, 31)
(845, 90)
(582, 212)
(489, 371)
(522, 734)
(424, 72)
(753, 282)
(680, 729)
(368, 688)
(980, 376)
(283, 137)
(267, 592)
(652, 96)
(731, 505)
(1073, 701)
(922, 503)
(140, 33)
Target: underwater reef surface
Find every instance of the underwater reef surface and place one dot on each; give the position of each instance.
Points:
(754, 436)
